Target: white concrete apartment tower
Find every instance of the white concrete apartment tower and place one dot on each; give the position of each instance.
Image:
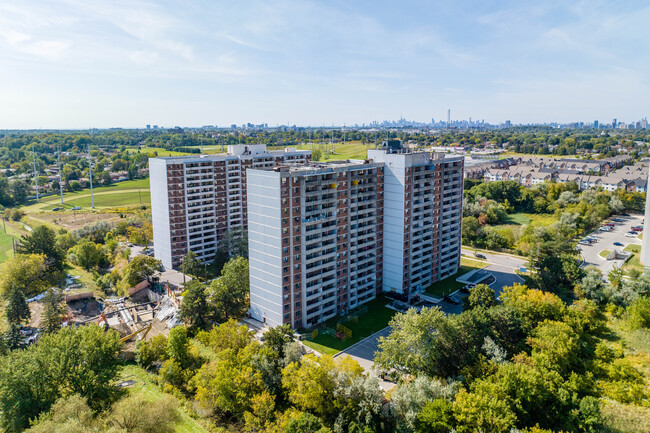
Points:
(423, 215)
(315, 240)
(196, 199)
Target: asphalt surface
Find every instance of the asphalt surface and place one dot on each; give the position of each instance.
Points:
(501, 266)
(605, 241)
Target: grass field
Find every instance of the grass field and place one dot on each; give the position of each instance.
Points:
(334, 151)
(516, 220)
(146, 389)
(604, 253)
(634, 261)
(374, 319)
(131, 193)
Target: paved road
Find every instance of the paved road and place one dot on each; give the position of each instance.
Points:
(501, 266)
(590, 253)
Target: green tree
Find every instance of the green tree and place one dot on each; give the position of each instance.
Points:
(136, 415)
(481, 296)
(42, 240)
(191, 264)
(53, 312)
(149, 352)
(20, 190)
(140, 268)
(480, 412)
(81, 361)
(194, 308)
(314, 384)
(436, 417)
(411, 343)
(638, 313)
(591, 286)
(228, 295)
(278, 337)
(17, 310)
(27, 273)
(90, 255)
(178, 346)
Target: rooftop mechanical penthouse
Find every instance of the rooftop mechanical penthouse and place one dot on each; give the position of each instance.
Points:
(327, 237)
(196, 199)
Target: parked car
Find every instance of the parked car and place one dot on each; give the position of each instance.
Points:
(618, 220)
(630, 235)
(451, 300)
(637, 228)
(610, 224)
(76, 208)
(618, 244)
(583, 242)
(624, 214)
(56, 209)
(604, 229)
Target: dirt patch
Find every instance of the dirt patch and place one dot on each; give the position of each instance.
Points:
(84, 309)
(36, 309)
(73, 220)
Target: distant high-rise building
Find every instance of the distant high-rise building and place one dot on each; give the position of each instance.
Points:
(595, 124)
(148, 126)
(448, 117)
(508, 124)
(644, 123)
(614, 123)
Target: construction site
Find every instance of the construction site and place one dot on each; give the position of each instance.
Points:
(148, 311)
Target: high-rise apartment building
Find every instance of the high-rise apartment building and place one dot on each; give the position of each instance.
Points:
(423, 196)
(315, 240)
(327, 237)
(196, 199)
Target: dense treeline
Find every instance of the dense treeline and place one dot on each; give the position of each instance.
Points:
(490, 204)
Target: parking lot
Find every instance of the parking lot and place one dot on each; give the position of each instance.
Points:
(605, 241)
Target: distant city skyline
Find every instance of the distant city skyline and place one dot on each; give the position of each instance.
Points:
(73, 64)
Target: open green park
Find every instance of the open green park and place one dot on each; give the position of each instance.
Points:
(131, 193)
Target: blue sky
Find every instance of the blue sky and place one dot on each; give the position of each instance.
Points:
(87, 63)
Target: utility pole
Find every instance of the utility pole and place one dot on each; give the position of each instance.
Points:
(35, 174)
(58, 159)
(90, 175)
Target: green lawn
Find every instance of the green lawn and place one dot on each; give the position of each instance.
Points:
(146, 389)
(123, 194)
(334, 151)
(374, 319)
(449, 285)
(6, 249)
(604, 253)
(519, 219)
(116, 199)
(634, 261)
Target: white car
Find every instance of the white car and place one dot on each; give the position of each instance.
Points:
(630, 235)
